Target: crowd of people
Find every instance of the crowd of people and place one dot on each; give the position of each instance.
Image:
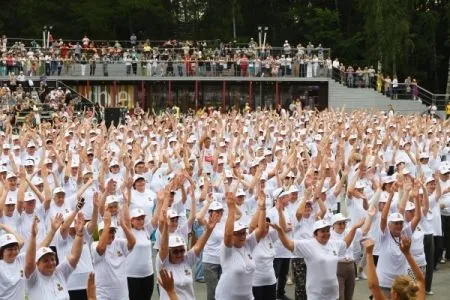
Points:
(233, 200)
(169, 58)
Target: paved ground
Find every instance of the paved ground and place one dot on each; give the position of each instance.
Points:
(440, 287)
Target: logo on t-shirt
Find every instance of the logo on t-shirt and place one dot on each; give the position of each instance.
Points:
(334, 253)
(187, 272)
(21, 273)
(59, 287)
(249, 256)
(119, 254)
(270, 245)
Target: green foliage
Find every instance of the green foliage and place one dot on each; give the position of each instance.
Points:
(409, 37)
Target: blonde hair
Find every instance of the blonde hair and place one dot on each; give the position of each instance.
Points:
(405, 288)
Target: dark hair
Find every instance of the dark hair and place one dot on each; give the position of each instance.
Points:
(2, 249)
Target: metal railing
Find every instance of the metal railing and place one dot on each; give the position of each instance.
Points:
(175, 68)
(398, 91)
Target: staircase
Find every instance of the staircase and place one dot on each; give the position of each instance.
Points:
(367, 98)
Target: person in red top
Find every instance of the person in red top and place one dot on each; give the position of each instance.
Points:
(244, 66)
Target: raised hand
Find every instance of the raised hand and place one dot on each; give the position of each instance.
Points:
(359, 223)
(231, 199)
(369, 245)
(91, 294)
(405, 244)
(57, 221)
(79, 224)
(107, 218)
(165, 279)
(34, 226)
(276, 227)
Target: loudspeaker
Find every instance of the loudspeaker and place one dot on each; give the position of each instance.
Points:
(112, 116)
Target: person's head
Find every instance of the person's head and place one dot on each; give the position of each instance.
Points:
(59, 195)
(240, 197)
(139, 183)
(139, 167)
(445, 171)
(46, 261)
(137, 218)
(409, 211)
(9, 248)
(112, 204)
(339, 223)
(322, 231)
(114, 167)
(282, 198)
(430, 185)
(308, 210)
(29, 203)
(12, 181)
(239, 234)
(111, 233)
(216, 210)
(404, 288)
(173, 219)
(177, 249)
(395, 221)
(388, 183)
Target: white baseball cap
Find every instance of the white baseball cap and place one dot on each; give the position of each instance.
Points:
(43, 251)
(240, 192)
(238, 226)
(137, 177)
(395, 217)
(101, 225)
(176, 241)
(3, 169)
(339, 217)
(410, 206)
(29, 196)
(113, 163)
(215, 205)
(172, 213)
(58, 190)
(137, 212)
(111, 199)
(9, 200)
(429, 179)
(228, 174)
(7, 239)
(424, 155)
(389, 179)
(320, 224)
(11, 175)
(37, 181)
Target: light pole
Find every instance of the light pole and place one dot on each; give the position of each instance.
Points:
(46, 36)
(265, 36)
(44, 32)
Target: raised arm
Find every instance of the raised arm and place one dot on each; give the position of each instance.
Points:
(385, 212)
(201, 242)
(372, 278)
(229, 224)
(104, 236)
(348, 239)
(287, 243)
(30, 256)
(77, 245)
(54, 226)
(405, 246)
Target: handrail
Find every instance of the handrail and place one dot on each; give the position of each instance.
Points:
(422, 93)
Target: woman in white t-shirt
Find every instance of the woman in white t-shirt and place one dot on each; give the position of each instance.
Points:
(210, 257)
(173, 257)
(139, 262)
(64, 238)
(109, 258)
(264, 284)
(236, 258)
(141, 197)
(45, 280)
(12, 283)
(346, 261)
(321, 258)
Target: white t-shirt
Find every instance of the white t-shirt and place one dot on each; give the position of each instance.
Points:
(139, 262)
(12, 279)
(347, 255)
(391, 261)
(145, 200)
(238, 266)
(212, 247)
(50, 287)
(78, 279)
(182, 276)
(264, 255)
(321, 267)
(110, 270)
(280, 250)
